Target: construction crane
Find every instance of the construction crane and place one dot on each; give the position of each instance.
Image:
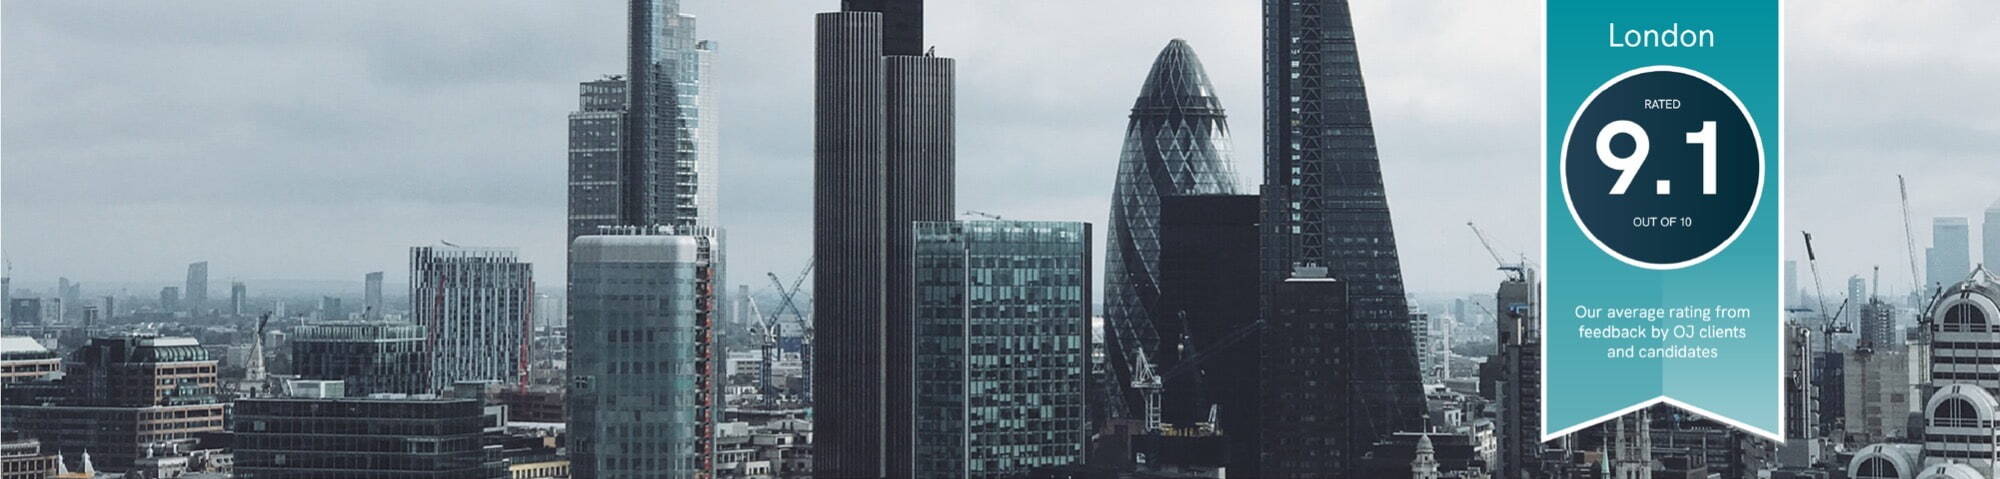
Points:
(981, 214)
(768, 328)
(1909, 237)
(1832, 324)
(1515, 271)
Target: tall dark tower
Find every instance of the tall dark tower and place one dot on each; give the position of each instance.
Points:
(1324, 206)
(883, 158)
(1177, 143)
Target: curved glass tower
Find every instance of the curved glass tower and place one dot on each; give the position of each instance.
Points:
(1177, 143)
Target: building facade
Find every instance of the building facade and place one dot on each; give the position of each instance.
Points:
(1519, 336)
(1325, 206)
(476, 304)
(370, 357)
(1002, 346)
(1208, 346)
(643, 391)
(1176, 143)
(1961, 415)
(883, 152)
(1307, 416)
(385, 438)
(121, 395)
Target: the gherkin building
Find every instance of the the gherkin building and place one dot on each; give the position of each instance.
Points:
(1177, 143)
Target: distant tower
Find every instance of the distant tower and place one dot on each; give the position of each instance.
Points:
(1631, 448)
(1989, 235)
(195, 296)
(238, 295)
(170, 299)
(1176, 143)
(372, 295)
(253, 374)
(1947, 260)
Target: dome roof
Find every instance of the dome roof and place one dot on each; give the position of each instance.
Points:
(1950, 471)
(1177, 81)
(1982, 401)
(1906, 458)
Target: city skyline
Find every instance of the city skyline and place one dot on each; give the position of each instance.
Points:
(1439, 68)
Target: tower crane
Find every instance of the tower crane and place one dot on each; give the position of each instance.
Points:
(1515, 271)
(768, 328)
(981, 214)
(1832, 324)
(1909, 237)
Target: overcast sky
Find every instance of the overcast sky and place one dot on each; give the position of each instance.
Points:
(294, 140)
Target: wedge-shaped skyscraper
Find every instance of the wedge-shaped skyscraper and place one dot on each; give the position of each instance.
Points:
(1177, 143)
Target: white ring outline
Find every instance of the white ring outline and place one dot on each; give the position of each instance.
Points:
(1562, 166)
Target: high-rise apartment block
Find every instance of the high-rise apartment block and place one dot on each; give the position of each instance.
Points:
(643, 388)
(883, 152)
(476, 304)
(1325, 207)
(1002, 346)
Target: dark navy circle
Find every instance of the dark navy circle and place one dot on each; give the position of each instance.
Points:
(1666, 217)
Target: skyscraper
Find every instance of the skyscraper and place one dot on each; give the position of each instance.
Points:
(1989, 235)
(1791, 283)
(1308, 416)
(195, 295)
(1002, 346)
(1518, 332)
(643, 338)
(1857, 296)
(371, 295)
(643, 148)
(1176, 143)
(476, 304)
(1948, 260)
(663, 125)
(1325, 206)
(883, 158)
(1209, 337)
(238, 294)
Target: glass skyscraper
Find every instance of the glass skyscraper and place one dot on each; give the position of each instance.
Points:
(642, 378)
(1325, 206)
(1002, 346)
(1176, 143)
(371, 357)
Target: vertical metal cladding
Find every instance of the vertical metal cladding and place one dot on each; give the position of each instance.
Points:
(848, 246)
(477, 304)
(1176, 143)
(1325, 206)
(920, 166)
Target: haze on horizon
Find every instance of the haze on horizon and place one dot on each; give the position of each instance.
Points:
(321, 141)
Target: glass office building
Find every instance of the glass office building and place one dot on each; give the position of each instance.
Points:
(642, 379)
(1002, 316)
(372, 357)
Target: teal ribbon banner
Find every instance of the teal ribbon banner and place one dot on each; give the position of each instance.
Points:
(1662, 191)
